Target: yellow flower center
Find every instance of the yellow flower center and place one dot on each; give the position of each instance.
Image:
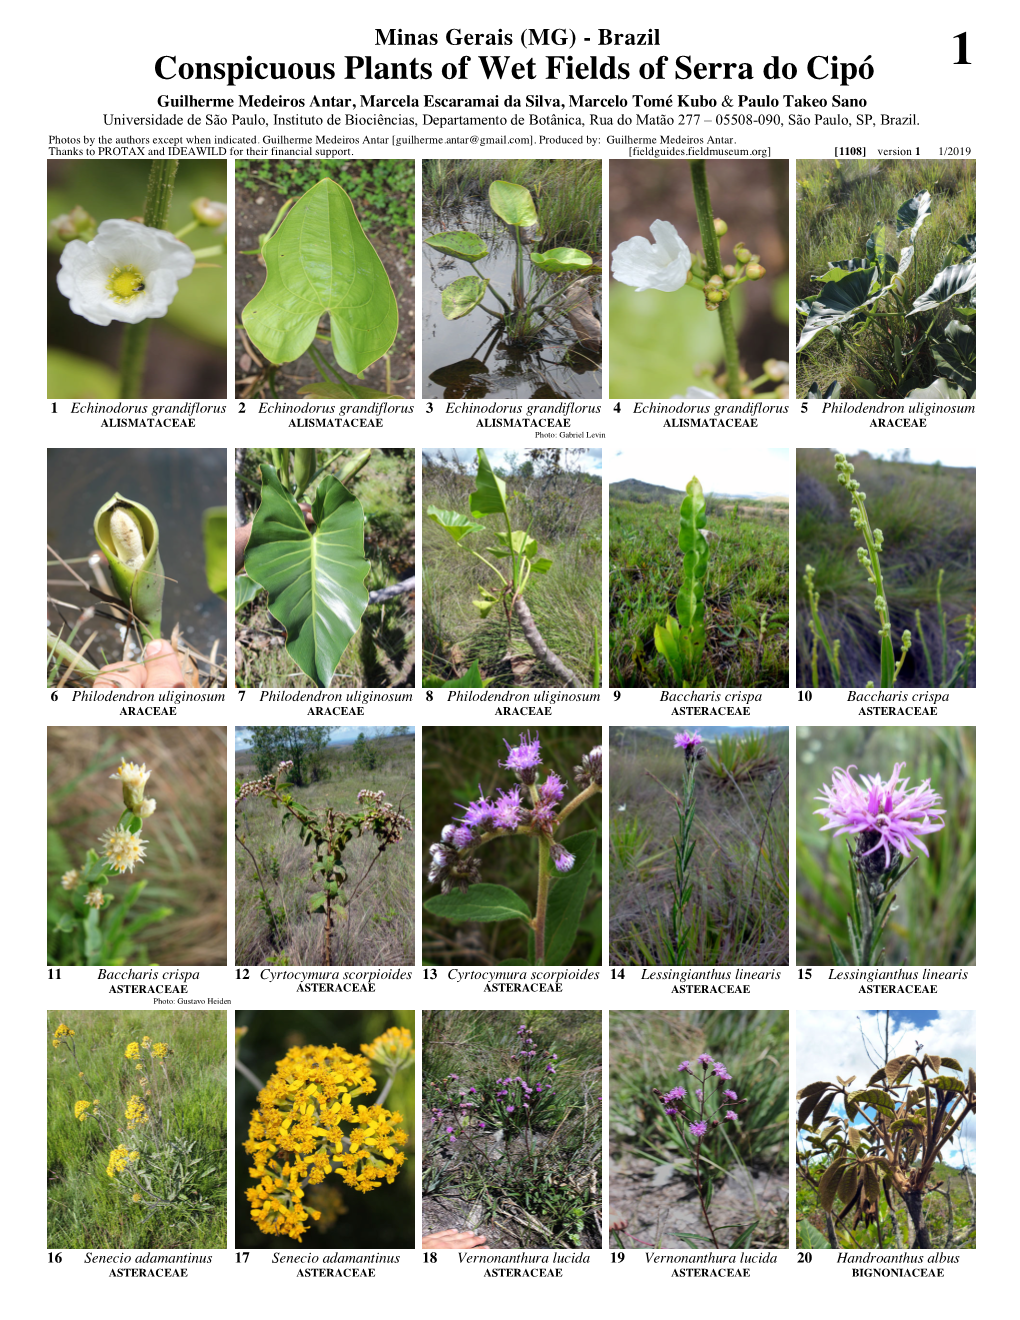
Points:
(125, 283)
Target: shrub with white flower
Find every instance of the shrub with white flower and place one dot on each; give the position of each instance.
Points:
(128, 273)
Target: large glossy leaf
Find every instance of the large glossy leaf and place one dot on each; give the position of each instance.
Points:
(315, 578)
(478, 903)
(839, 270)
(489, 495)
(319, 261)
(956, 355)
(913, 214)
(456, 524)
(969, 243)
(948, 283)
(558, 260)
(838, 302)
(459, 243)
(512, 203)
(463, 296)
(245, 589)
(566, 899)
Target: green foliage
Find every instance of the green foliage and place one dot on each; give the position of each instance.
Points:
(742, 600)
(682, 640)
(304, 745)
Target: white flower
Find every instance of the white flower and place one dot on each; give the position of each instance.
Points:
(128, 272)
(660, 265)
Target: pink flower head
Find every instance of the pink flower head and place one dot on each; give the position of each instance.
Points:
(552, 789)
(523, 759)
(706, 1060)
(887, 812)
(730, 1095)
(562, 860)
(721, 1073)
(686, 1066)
(685, 740)
(730, 1116)
(698, 1129)
(506, 814)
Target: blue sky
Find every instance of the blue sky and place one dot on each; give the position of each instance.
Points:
(722, 469)
(590, 461)
(345, 733)
(829, 1042)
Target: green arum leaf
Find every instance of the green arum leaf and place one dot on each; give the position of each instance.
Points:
(956, 355)
(463, 296)
(315, 578)
(969, 244)
(479, 903)
(489, 495)
(484, 607)
(875, 251)
(460, 243)
(913, 214)
(214, 537)
(939, 389)
(541, 565)
(512, 203)
(566, 898)
(319, 260)
(342, 389)
(471, 679)
(137, 577)
(455, 524)
(839, 270)
(245, 589)
(832, 392)
(839, 302)
(558, 261)
(948, 283)
(519, 542)
(864, 386)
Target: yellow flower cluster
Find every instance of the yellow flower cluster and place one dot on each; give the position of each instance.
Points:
(297, 1136)
(135, 1113)
(159, 1050)
(119, 1157)
(82, 1107)
(394, 1048)
(60, 1033)
(132, 1051)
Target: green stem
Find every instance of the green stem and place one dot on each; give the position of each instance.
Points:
(136, 337)
(320, 361)
(710, 244)
(70, 656)
(544, 877)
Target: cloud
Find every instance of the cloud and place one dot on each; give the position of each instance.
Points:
(722, 469)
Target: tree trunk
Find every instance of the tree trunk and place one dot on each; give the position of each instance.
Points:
(541, 648)
(915, 1209)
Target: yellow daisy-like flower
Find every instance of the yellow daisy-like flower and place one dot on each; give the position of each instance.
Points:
(122, 849)
(136, 1113)
(159, 1050)
(132, 1051)
(118, 1161)
(81, 1109)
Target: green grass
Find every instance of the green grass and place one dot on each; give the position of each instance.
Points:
(564, 515)
(746, 595)
(740, 909)
(933, 919)
(645, 1049)
(381, 652)
(379, 926)
(545, 1196)
(838, 207)
(84, 1209)
(927, 513)
(567, 193)
(456, 762)
(382, 191)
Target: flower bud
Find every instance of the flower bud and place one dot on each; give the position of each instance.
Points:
(729, 271)
(742, 254)
(776, 370)
(209, 213)
(714, 296)
(77, 223)
(715, 282)
(721, 227)
(754, 271)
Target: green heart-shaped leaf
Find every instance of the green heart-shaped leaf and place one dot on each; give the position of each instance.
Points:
(512, 203)
(460, 243)
(458, 525)
(489, 495)
(558, 260)
(315, 579)
(948, 283)
(463, 296)
(319, 260)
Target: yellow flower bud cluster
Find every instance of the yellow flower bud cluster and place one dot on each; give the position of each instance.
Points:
(119, 1157)
(136, 1113)
(393, 1049)
(307, 1126)
(61, 1033)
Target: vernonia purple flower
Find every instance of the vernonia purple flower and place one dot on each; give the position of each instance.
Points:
(506, 813)
(523, 759)
(685, 740)
(698, 1129)
(885, 812)
(562, 860)
(730, 1116)
(721, 1073)
(706, 1059)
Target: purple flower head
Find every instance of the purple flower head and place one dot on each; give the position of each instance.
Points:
(698, 1129)
(542, 816)
(524, 759)
(730, 1116)
(562, 860)
(449, 1129)
(478, 813)
(481, 1122)
(721, 1073)
(463, 836)
(706, 1059)
(730, 1095)
(552, 790)
(549, 1068)
(686, 740)
(507, 811)
(885, 813)
(446, 834)
(686, 1066)
(509, 1109)
(700, 1094)
(677, 1093)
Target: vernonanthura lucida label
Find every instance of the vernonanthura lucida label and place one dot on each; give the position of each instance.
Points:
(128, 536)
